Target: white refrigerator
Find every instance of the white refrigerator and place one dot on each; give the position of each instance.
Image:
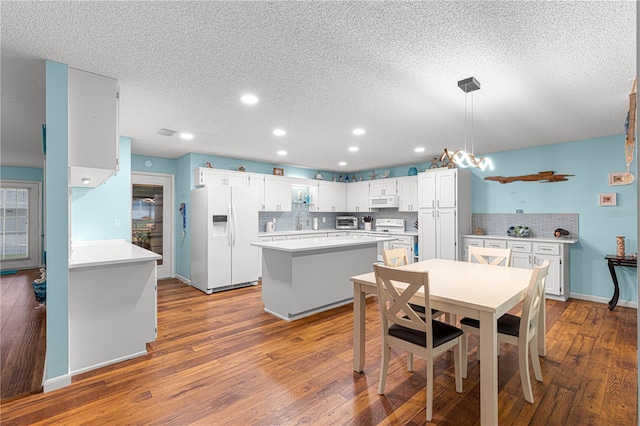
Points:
(224, 221)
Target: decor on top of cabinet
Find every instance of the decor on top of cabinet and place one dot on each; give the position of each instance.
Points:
(278, 171)
(518, 231)
(412, 171)
(209, 165)
(443, 163)
(319, 175)
(373, 175)
(242, 168)
(543, 177)
(386, 174)
(560, 233)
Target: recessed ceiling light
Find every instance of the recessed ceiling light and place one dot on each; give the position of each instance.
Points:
(282, 152)
(419, 149)
(249, 99)
(358, 132)
(353, 148)
(342, 163)
(279, 132)
(186, 136)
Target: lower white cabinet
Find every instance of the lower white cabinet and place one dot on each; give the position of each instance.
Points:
(529, 253)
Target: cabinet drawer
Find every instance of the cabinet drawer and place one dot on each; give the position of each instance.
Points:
(316, 235)
(473, 243)
(292, 237)
(541, 248)
(520, 247)
(280, 238)
(495, 243)
(403, 240)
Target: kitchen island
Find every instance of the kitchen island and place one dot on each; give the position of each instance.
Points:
(303, 277)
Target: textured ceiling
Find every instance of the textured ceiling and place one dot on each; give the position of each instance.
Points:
(550, 72)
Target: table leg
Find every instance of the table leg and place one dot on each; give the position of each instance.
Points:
(616, 289)
(358, 327)
(488, 369)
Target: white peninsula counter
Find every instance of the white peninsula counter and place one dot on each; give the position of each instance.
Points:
(306, 276)
(112, 302)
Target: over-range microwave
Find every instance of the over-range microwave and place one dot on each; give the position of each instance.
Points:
(381, 201)
(346, 222)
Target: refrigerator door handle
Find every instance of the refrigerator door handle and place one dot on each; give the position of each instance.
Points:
(229, 226)
(235, 224)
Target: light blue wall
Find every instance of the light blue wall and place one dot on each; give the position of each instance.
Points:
(57, 230)
(183, 195)
(590, 161)
(21, 173)
(94, 210)
(158, 164)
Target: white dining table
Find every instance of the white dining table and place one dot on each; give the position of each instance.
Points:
(484, 292)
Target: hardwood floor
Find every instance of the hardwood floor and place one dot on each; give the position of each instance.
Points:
(220, 359)
(22, 337)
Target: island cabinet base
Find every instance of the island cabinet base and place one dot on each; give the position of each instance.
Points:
(112, 313)
(301, 283)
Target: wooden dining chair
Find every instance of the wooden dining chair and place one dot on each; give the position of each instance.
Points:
(404, 328)
(490, 256)
(398, 257)
(521, 331)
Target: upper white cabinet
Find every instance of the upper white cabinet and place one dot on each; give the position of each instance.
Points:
(93, 128)
(444, 197)
(331, 197)
(358, 197)
(207, 176)
(383, 187)
(256, 180)
(408, 194)
(277, 194)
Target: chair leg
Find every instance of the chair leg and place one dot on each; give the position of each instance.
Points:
(523, 358)
(457, 355)
(383, 368)
(409, 361)
(465, 353)
(429, 388)
(535, 359)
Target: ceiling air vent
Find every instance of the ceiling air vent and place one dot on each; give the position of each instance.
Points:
(166, 132)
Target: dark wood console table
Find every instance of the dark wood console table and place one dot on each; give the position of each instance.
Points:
(612, 262)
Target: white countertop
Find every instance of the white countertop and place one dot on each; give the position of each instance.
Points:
(325, 231)
(107, 252)
(532, 239)
(320, 243)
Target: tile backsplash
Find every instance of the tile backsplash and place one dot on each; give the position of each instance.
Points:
(541, 225)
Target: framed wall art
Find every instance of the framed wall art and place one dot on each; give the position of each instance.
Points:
(277, 171)
(617, 179)
(608, 199)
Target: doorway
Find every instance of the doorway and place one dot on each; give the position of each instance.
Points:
(20, 234)
(152, 217)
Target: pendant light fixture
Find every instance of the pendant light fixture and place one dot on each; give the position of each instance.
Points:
(462, 157)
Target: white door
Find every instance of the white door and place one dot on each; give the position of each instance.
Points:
(427, 190)
(446, 189)
(152, 217)
(552, 282)
(20, 233)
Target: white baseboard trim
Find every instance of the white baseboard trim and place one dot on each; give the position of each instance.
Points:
(183, 279)
(605, 300)
(57, 383)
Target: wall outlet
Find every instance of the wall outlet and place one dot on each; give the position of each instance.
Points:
(519, 211)
(274, 220)
(116, 223)
(324, 220)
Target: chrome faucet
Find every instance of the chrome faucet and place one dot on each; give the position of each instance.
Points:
(299, 222)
